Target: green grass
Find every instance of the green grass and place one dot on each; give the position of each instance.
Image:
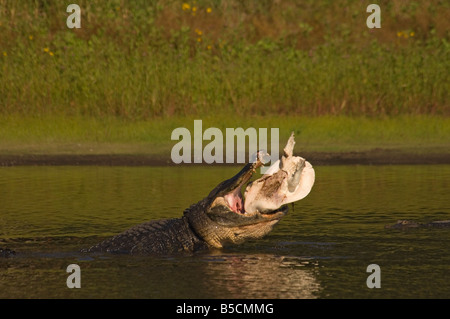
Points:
(73, 135)
(140, 60)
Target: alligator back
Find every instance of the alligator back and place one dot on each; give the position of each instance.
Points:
(160, 237)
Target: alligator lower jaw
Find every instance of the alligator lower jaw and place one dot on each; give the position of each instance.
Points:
(276, 214)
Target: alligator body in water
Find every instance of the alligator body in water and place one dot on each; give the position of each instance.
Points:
(405, 224)
(224, 216)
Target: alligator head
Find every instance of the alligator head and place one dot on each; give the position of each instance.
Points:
(226, 216)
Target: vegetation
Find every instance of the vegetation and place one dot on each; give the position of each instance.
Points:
(135, 64)
(141, 59)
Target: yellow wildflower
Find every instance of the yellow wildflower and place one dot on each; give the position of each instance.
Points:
(399, 34)
(4, 53)
(46, 49)
(209, 10)
(209, 47)
(185, 6)
(51, 53)
(411, 34)
(199, 39)
(199, 32)
(30, 37)
(194, 9)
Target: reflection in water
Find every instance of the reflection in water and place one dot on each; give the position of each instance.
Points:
(262, 276)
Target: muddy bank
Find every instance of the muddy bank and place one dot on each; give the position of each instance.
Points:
(372, 157)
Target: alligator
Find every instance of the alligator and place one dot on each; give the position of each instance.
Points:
(405, 224)
(225, 216)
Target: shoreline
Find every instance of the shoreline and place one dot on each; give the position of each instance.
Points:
(370, 157)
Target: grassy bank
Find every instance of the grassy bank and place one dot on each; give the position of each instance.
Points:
(74, 135)
(139, 60)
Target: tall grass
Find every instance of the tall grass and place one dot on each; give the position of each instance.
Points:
(147, 59)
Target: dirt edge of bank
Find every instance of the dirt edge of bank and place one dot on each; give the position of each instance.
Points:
(372, 157)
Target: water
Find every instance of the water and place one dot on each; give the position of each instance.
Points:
(321, 249)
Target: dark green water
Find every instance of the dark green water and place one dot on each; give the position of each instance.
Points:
(320, 250)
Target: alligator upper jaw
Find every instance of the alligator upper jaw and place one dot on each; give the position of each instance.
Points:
(236, 182)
